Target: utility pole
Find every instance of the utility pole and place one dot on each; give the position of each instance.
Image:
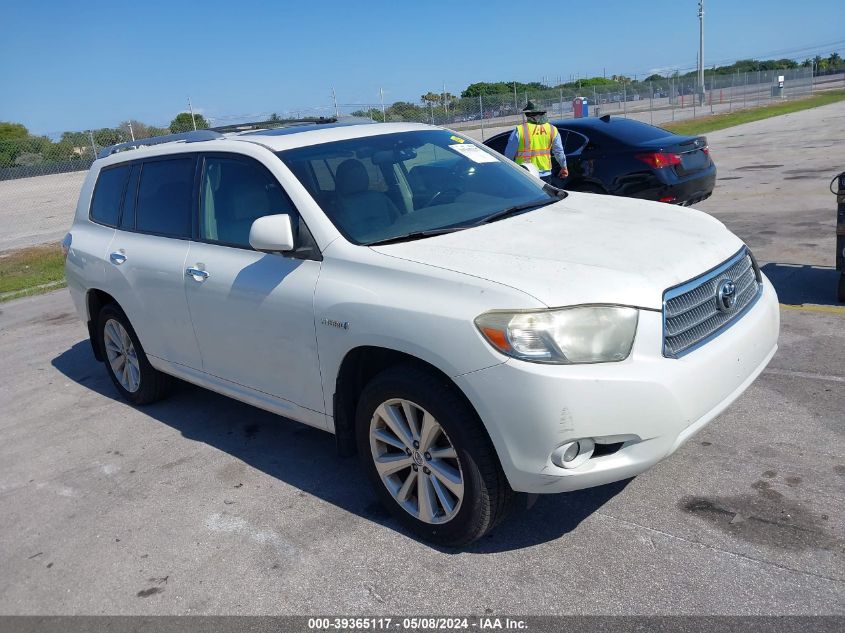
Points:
(445, 105)
(701, 51)
(334, 98)
(131, 133)
(193, 119)
(383, 115)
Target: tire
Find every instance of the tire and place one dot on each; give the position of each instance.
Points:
(143, 384)
(460, 450)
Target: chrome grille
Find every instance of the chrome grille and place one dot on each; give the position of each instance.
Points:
(691, 315)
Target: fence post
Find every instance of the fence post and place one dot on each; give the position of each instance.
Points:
(560, 88)
(651, 102)
(712, 79)
(624, 100)
(481, 109)
(672, 96)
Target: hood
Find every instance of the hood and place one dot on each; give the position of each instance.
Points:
(586, 248)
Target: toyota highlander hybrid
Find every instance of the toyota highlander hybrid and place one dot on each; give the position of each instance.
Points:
(470, 331)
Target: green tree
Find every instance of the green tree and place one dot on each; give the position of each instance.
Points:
(834, 61)
(61, 151)
(184, 122)
(11, 137)
(110, 136)
(12, 131)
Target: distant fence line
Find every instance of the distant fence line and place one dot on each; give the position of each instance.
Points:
(655, 102)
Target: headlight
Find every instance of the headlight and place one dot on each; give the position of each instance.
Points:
(583, 334)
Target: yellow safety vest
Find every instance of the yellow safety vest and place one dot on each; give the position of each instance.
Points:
(538, 147)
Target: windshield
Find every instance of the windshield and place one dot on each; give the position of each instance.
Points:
(391, 186)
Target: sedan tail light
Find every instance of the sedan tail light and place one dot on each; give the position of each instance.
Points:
(659, 160)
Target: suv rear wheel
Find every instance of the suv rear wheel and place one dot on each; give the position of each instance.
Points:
(428, 457)
(127, 364)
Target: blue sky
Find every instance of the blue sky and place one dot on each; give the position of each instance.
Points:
(77, 65)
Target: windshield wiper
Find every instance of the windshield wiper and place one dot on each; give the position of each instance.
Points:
(417, 235)
(513, 211)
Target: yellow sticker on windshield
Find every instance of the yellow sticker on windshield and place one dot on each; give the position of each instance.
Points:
(457, 139)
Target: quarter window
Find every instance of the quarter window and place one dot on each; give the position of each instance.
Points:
(105, 207)
(164, 197)
(236, 192)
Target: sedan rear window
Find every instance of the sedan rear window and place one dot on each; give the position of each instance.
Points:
(631, 132)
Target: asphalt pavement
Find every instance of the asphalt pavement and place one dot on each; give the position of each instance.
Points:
(203, 505)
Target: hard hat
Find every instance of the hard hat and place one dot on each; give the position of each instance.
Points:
(530, 108)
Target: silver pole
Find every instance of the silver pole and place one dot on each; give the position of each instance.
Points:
(481, 110)
(93, 145)
(651, 102)
(712, 78)
(383, 114)
(131, 133)
(745, 89)
(701, 49)
(515, 105)
(624, 100)
(334, 98)
(193, 119)
(673, 97)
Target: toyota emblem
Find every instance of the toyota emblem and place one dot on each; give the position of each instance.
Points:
(726, 295)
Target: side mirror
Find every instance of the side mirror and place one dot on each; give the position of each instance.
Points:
(272, 234)
(531, 168)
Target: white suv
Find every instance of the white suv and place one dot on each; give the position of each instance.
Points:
(469, 330)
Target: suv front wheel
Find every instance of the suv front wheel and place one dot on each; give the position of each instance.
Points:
(428, 457)
(127, 364)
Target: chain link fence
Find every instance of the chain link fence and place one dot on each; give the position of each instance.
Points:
(40, 177)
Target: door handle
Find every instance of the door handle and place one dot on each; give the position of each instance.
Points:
(117, 258)
(197, 274)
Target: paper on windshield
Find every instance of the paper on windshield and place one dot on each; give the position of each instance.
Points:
(474, 153)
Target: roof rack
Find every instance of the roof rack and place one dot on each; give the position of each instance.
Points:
(272, 123)
(186, 137)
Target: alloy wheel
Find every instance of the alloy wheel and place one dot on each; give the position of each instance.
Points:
(416, 461)
(121, 355)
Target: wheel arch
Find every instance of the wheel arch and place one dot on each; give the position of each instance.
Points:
(360, 365)
(96, 300)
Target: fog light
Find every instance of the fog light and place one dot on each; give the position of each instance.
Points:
(573, 454)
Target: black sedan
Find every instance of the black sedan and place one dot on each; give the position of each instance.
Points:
(624, 157)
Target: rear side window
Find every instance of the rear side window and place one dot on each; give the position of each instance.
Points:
(108, 194)
(164, 197)
(573, 143)
(127, 219)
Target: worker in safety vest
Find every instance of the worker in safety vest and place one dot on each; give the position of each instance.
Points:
(535, 141)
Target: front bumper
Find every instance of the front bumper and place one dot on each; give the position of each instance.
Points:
(651, 403)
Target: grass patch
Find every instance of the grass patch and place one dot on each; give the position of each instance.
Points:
(31, 270)
(722, 121)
